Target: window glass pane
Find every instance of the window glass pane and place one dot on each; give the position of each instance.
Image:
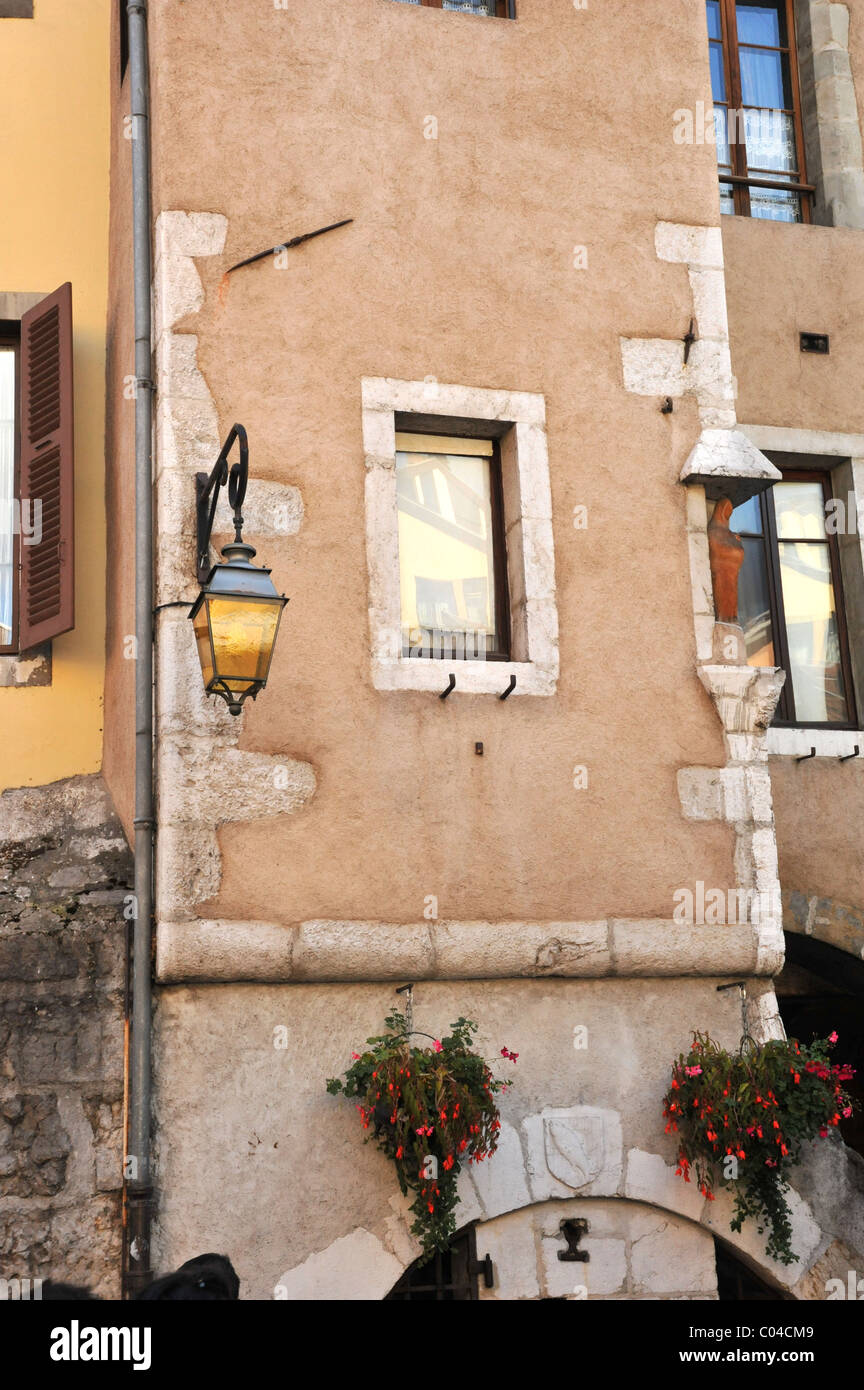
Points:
(759, 24)
(754, 604)
(721, 128)
(774, 206)
(446, 555)
(718, 76)
(762, 78)
(811, 632)
(800, 511)
(7, 490)
(727, 199)
(713, 8)
(471, 6)
(747, 518)
(770, 137)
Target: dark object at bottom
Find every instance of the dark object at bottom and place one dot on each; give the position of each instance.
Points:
(206, 1279)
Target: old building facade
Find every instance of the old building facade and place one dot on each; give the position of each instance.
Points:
(489, 419)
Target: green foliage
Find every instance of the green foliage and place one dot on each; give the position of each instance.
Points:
(429, 1109)
(742, 1118)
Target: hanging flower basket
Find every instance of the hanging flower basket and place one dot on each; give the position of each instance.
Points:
(429, 1109)
(742, 1118)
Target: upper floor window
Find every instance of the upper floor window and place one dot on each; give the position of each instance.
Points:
(452, 557)
(500, 9)
(791, 598)
(16, 9)
(757, 109)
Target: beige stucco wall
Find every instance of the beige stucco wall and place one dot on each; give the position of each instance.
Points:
(459, 267)
(419, 286)
(292, 1158)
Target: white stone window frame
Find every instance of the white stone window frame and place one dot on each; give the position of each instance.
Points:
(848, 449)
(519, 422)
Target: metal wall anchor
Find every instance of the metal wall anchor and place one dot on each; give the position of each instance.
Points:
(573, 1231)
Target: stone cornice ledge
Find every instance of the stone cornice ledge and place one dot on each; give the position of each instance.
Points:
(198, 951)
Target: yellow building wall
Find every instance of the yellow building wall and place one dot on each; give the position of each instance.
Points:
(54, 104)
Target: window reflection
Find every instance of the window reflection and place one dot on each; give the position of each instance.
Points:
(804, 604)
(447, 559)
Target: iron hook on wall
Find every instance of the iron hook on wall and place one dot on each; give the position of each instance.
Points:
(451, 686)
(850, 755)
(511, 687)
(807, 756)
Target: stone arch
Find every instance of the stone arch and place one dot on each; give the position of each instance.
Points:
(828, 920)
(573, 1161)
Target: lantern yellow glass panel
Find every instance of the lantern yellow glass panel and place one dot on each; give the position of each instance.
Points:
(242, 633)
(235, 621)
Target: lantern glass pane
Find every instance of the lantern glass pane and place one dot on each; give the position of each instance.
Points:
(202, 638)
(243, 632)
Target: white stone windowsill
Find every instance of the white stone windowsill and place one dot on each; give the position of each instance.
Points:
(472, 677)
(829, 743)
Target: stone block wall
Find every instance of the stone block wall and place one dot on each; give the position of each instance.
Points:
(65, 880)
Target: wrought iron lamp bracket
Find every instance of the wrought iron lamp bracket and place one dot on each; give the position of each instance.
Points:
(207, 496)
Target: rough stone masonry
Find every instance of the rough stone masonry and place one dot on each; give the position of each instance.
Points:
(65, 877)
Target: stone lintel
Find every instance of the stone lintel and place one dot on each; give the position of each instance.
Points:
(334, 952)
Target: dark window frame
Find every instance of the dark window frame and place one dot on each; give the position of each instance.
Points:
(16, 9)
(740, 179)
(499, 537)
(461, 1286)
(802, 470)
(504, 9)
(10, 336)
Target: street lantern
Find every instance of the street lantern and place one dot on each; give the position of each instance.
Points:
(236, 616)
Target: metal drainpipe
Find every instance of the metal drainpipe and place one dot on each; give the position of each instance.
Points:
(138, 1186)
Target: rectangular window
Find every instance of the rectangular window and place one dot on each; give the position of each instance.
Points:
(495, 9)
(757, 109)
(8, 488)
(16, 9)
(452, 558)
(791, 599)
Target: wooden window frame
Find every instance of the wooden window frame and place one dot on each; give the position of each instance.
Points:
(786, 714)
(504, 9)
(740, 179)
(499, 540)
(10, 336)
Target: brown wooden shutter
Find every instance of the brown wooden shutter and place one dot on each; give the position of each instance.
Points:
(47, 603)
